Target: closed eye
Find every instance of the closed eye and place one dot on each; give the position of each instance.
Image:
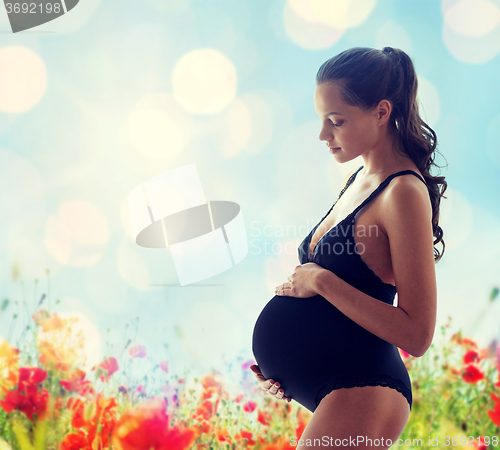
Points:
(336, 124)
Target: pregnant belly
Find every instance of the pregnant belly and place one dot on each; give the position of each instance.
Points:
(302, 342)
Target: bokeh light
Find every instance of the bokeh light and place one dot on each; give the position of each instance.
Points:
(204, 81)
(340, 14)
(391, 34)
(428, 96)
(236, 129)
(157, 127)
(23, 79)
(91, 336)
(472, 17)
(471, 30)
(76, 234)
(306, 34)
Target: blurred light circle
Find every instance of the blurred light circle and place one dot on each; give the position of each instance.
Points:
(472, 17)
(339, 14)
(471, 30)
(77, 234)
(84, 222)
(236, 128)
(204, 81)
(91, 338)
(307, 34)
(393, 35)
(154, 133)
(429, 100)
(165, 136)
(23, 79)
(262, 122)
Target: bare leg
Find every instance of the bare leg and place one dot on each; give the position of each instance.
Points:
(345, 418)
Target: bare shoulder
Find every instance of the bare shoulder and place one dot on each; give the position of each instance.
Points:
(406, 195)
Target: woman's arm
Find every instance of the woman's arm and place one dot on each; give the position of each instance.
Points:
(406, 220)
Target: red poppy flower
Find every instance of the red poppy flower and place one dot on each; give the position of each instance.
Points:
(75, 441)
(148, 427)
(473, 373)
(246, 437)
(481, 445)
(204, 411)
(264, 417)
(106, 368)
(29, 397)
(223, 436)
(495, 413)
(471, 356)
(98, 419)
(249, 406)
(76, 383)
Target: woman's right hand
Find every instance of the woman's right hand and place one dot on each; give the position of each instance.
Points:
(268, 386)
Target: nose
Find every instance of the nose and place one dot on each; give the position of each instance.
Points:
(325, 133)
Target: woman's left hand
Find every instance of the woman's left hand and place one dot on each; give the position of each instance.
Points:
(302, 282)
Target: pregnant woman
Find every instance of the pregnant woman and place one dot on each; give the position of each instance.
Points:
(329, 338)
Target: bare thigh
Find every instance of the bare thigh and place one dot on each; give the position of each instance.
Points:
(345, 418)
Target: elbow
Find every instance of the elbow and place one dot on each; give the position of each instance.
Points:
(421, 344)
(418, 352)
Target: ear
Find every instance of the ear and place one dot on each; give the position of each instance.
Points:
(383, 111)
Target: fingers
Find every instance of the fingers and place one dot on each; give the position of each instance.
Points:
(275, 390)
(269, 386)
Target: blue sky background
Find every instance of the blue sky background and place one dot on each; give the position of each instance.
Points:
(261, 150)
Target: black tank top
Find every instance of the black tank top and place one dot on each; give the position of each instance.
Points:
(345, 260)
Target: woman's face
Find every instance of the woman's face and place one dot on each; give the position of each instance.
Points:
(348, 129)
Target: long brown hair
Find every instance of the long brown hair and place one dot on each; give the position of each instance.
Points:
(366, 76)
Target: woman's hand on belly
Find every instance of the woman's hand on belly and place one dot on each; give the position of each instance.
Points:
(268, 386)
(302, 282)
